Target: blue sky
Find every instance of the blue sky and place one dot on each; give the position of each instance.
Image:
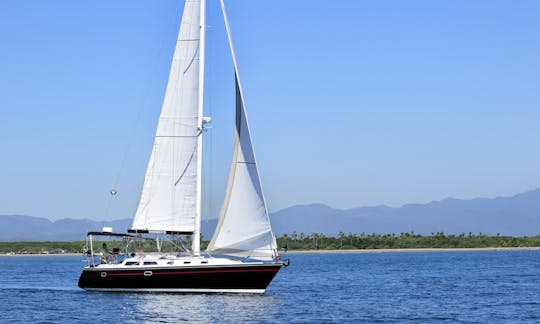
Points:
(351, 102)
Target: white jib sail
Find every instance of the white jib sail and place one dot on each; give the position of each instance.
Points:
(168, 197)
(244, 227)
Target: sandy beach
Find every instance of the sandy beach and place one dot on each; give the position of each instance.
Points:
(40, 254)
(413, 250)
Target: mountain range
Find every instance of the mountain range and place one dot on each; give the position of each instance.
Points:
(518, 215)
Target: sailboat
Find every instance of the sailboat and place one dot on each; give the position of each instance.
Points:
(242, 256)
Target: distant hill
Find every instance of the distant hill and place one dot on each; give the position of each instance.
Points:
(28, 228)
(518, 215)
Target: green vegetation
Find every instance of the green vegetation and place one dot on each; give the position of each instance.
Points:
(318, 241)
(314, 241)
(41, 247)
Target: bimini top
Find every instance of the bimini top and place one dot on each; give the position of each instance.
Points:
(110, 234)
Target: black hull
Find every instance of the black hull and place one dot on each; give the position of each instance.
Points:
(250, 278)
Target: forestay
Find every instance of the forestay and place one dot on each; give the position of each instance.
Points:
(244, 227)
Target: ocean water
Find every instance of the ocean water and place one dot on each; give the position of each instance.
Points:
(420, 287)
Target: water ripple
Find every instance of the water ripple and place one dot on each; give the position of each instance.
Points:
(468, 287)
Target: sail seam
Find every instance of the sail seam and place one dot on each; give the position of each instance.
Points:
(178, 136)
(189, 161)
(192, 59)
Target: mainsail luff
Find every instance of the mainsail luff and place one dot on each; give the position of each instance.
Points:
(168, 199)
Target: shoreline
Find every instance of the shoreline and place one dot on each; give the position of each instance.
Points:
(531, 248)
(40, 254)
(405, 250)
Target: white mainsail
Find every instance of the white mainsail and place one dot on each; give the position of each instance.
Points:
(244, 226)
(168, 201)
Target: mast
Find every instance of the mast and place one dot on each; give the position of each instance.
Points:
(196, 241)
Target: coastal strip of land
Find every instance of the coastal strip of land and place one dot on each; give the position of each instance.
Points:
(310, 243)
(344, 251)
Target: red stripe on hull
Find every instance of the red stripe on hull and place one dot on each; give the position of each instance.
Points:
(157, 272)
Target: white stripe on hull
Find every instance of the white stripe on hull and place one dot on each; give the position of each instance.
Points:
(180, 290)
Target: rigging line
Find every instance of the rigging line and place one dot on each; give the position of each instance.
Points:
(136, 124)
(190, 159)
(243, 108)
(138, 117)
(180, 124)
(183, 246)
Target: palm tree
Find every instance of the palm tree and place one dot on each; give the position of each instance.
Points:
(351, 236)
(341, 237)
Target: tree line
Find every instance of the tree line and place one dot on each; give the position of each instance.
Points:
(313, 241)
(319, 241)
